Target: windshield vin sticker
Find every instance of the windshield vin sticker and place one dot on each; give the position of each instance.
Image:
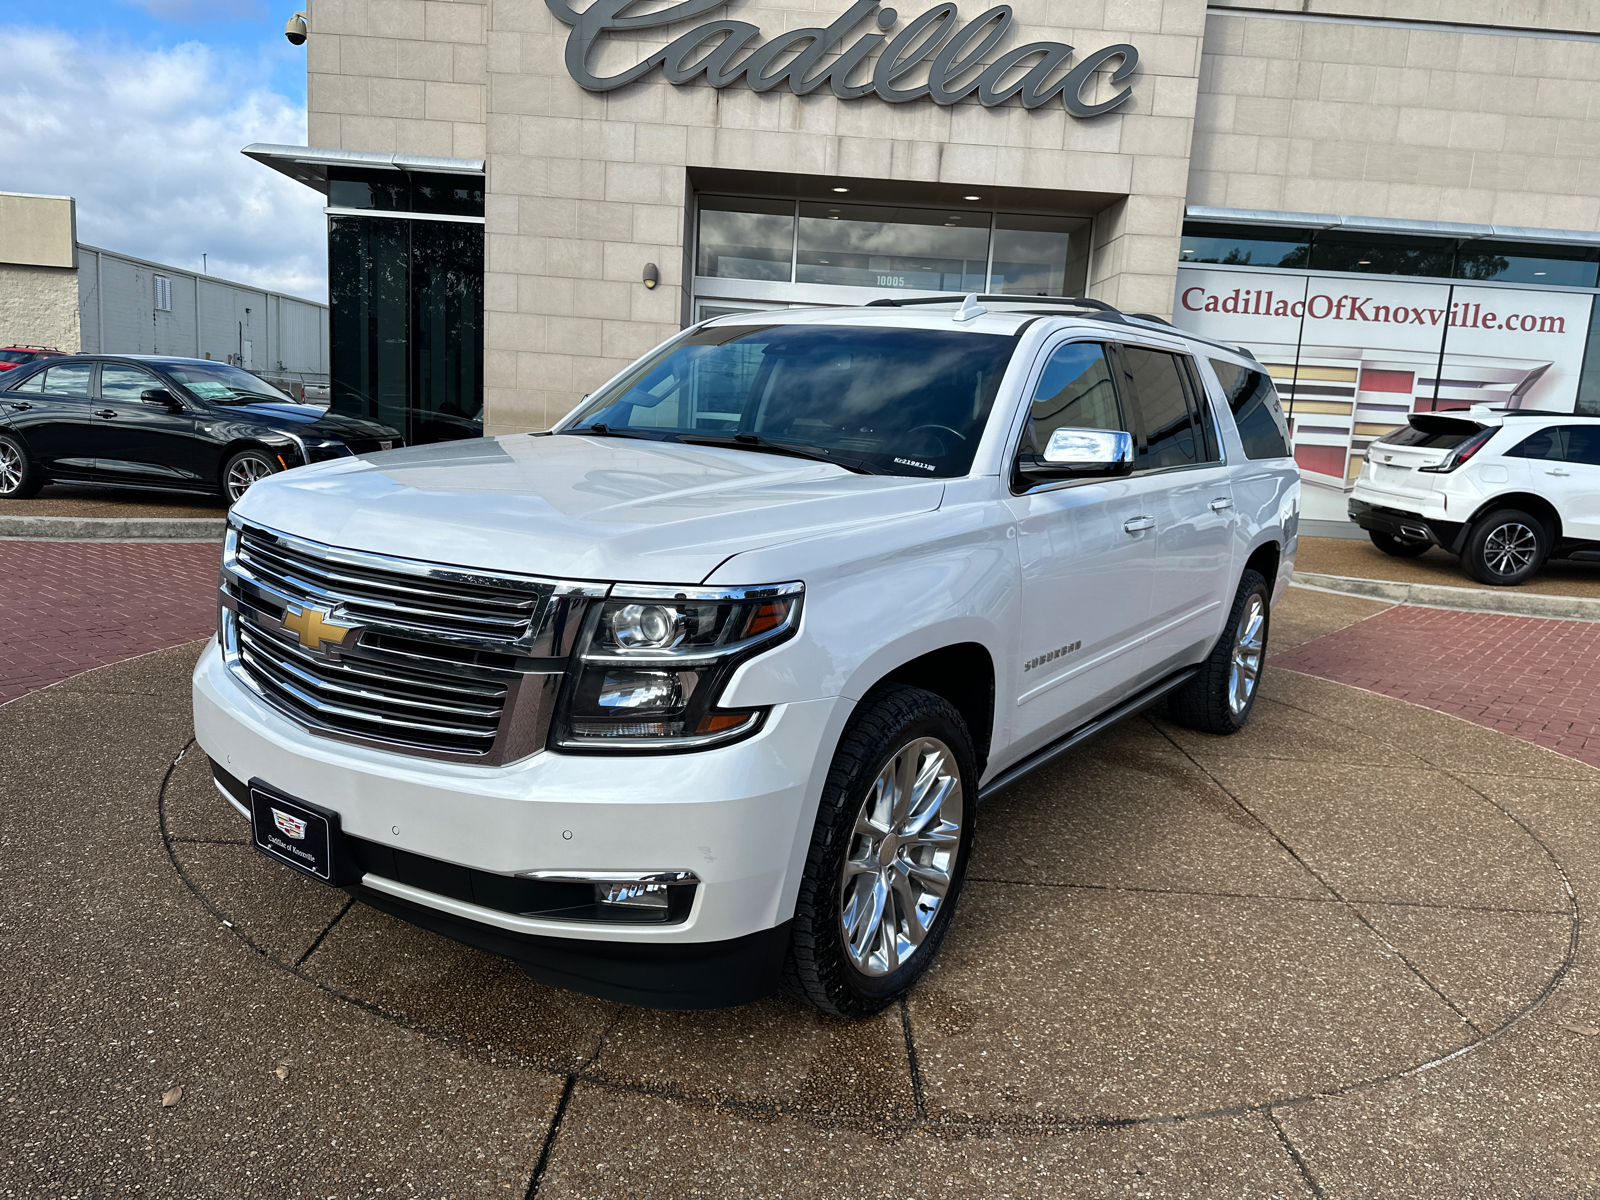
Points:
(911, 462)
(1032, 663)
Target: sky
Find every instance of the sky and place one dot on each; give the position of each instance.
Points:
(139, 108)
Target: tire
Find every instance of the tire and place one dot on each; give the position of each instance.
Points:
(1219, 698)
(20, 476)
(1505, 548)
(1398, 546)
(896, 735)
(243, 469)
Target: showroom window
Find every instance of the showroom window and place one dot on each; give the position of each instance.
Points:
(406, 300)
(1247, 246)
(902, 247)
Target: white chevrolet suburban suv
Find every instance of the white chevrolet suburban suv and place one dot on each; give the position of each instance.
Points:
(1503, 488)
(692, 697)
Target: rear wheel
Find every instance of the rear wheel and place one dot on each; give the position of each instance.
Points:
(20, 477)
(1505, 548)
(243, 469)
(1398, 546)
(1220, 696)
(887, 856)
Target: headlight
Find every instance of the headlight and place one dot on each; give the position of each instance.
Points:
(651, 664)
(324, 450)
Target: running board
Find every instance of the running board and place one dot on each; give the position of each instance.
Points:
(1084, 732)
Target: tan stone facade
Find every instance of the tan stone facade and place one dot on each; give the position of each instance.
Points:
(1344, 106)
(39, 307)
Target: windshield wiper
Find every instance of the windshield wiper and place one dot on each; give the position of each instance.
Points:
(604, 430)
(754, 441)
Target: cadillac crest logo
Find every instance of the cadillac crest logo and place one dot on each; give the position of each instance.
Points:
(292, 826)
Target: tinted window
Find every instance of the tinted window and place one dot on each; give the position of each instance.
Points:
(1163, 408)
(1256, 410)
(119, 382)
(903, 401)
(1075, 392)
(1547, 444)
(1583, 444)
(70, 380)
(34, 383)
(1432, 433)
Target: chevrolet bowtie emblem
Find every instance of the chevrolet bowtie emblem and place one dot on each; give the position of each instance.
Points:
(313, 627)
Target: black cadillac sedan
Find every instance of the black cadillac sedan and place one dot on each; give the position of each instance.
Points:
(175, 424)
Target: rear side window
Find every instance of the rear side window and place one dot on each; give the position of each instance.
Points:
(70, 380)
(1256, 410)
(1561, 443)
(1171, 437)
(33, 383)
(1075, 392)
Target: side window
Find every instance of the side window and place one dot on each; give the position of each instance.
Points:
(1170, 438)
(33, 383)
(70, 380)
(1256, 410)
(1075, 392)
(1583, 444)
(118, 382)
(1549, 444)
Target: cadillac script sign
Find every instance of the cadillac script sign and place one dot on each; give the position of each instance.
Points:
(935, 54)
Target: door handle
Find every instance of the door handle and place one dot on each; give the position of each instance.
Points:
(105, 412)
(1137, 524)
(1220, 503)
(24, 407)
(1557, 471)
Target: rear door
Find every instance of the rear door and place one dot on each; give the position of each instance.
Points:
(1575, 482)
(139, 443)
(50, 410)
(1190, 495)
(1085, 559)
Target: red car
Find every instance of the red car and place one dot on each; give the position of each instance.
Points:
(12, 357)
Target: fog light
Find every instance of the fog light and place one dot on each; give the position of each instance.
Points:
(632, 895)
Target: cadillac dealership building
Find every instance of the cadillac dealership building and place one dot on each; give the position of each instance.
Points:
(1394, 203)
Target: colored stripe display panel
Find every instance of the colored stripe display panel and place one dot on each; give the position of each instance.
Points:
(1374, 380)
(1324, 460)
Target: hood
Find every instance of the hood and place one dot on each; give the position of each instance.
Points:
(577, 507)
(316, 420)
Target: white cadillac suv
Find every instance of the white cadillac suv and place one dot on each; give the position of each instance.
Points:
(693, 697)
(1504, 489)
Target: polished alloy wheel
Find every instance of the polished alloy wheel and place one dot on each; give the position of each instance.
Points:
(10, 468)
(1248, 643)
(245, 472)
(902, 856)
(1510, 548)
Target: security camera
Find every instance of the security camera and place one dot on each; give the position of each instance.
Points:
(295, 29)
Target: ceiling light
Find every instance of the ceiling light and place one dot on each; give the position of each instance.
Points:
(841, 189)
(1539, 272)
(833, 218)
(1365, 262)
(972, 197)
(833, 210)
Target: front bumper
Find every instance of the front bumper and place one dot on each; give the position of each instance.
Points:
(739, 817)
(1412, 526)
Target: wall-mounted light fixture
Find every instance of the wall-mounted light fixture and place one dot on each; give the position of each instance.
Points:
(652, 275)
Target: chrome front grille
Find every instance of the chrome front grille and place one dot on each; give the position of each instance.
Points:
(434, 660)
(401, 593)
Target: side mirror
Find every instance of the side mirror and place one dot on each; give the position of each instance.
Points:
(160, 398)
(1080, 454)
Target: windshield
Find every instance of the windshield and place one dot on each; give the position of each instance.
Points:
(17, 356)
(219, 383)
(901, 401)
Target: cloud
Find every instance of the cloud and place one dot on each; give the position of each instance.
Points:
(148, 142)
(200, 10)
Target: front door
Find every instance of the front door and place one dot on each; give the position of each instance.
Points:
(1085, 551)
(1191, 497)
(1576, 494)
(139, 443)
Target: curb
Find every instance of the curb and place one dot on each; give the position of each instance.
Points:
(114, 529)
(1433, 595)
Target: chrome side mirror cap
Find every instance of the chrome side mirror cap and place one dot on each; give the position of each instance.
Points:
(1088, 452)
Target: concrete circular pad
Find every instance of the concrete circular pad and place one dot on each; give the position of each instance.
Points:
(1163, 925)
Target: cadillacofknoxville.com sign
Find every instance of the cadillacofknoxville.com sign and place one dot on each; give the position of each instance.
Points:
(1032, 72)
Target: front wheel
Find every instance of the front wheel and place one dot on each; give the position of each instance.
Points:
(888, 854)
(20, 476)
(1505, 548)
(1220, 696)
(1398, 546)
(243, 469)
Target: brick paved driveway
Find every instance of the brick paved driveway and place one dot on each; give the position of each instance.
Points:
(1534, 678)
(69, 606)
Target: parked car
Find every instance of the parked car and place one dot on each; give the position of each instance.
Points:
(1505, 489)
(175, 424)
(694, 697)
(12, 357)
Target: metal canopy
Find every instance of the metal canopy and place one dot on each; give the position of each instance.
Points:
(1326, 221)
(309, 164)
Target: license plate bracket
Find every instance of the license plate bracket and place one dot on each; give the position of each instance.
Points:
(299, 834)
